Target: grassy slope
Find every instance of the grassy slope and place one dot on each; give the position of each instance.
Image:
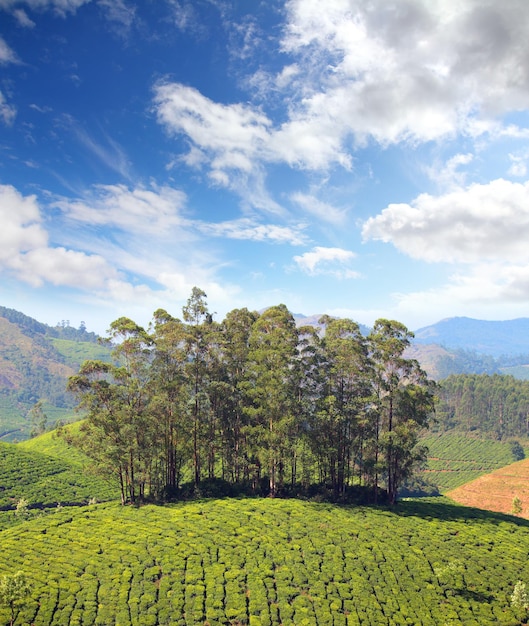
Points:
(75, 352)
(263, 561)
(45, 471)
(455, 459)
(496, 491)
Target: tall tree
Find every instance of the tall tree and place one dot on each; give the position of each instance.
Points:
(271, 389)
(171, 397)
(235, 330)
(346, 394)
(199, 345)
(119, 431)
(404, 402)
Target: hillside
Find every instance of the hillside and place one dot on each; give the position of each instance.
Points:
(495, 491)
(458, 458)
(35, 363)
(46, 471)
(267, 561)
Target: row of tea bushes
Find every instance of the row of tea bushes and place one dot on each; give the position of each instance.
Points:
(41, 479)
(268, 562)
(455, 459)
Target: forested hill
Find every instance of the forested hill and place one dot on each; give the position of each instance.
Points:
(35, 362)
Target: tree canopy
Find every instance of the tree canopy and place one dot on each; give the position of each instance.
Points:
(254, 401)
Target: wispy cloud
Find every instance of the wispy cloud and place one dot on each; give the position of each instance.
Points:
(7, 111)
(139, 210)
(322, 210)
(61, 7)
(7, 55)
(108, 152)
(247, 229)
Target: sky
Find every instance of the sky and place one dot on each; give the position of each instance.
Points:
(361, 159)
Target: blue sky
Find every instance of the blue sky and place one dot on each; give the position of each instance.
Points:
(359, 159)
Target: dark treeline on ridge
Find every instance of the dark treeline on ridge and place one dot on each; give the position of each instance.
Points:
(494, 405)
(253, 401)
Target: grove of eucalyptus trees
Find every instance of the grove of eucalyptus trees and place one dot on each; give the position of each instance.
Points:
(253, 400)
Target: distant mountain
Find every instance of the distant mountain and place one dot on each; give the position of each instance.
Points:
(313, 320)
(497, 339)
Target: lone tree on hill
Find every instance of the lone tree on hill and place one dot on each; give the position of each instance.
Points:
(14, 588)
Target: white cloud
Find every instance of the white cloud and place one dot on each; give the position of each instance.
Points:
(247, 229)
(6, 53)
(7, 111)
(481, 222)
(486, 291)
(119, 11)
(329, 261)
(109, 152)
(24, 248)
(518, 165)
(232, 134)
(21, 224)
(409, 72)
(139, 210)
(62, 267)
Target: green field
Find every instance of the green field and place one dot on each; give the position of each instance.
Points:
(455, 459)
(266, 561)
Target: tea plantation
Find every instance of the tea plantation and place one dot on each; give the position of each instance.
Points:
(46, 472)
(267, 561)
(455, 458)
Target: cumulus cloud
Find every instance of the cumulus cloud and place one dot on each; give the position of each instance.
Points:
(21, 224)
(478, 223)
(139, 210)
(232, 134)
(25, 250)
(458, 61)
(354, 73)
(330, 261)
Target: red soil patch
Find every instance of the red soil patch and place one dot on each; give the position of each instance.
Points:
(497, 490)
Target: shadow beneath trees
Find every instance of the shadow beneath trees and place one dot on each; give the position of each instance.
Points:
(442, 508)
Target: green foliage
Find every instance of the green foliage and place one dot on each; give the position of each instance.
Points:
(268, 561)
(518, 453)
(516, 506)
(520, 597)
(455, 459)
